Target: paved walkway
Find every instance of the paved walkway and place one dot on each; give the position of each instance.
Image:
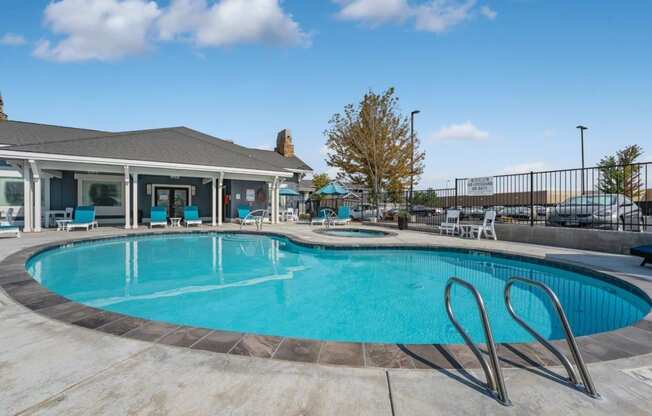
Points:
(48, 367)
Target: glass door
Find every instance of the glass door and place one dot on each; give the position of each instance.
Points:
(162, 198)
(180, 200)
(173, 199)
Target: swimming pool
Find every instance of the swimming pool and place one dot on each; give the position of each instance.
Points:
(273, 286)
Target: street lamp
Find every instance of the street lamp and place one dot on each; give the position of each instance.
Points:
(582, 128)
(412, 114)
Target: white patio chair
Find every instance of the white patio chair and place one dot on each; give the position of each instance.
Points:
(451, 225)
(291, 216)
(487, 228)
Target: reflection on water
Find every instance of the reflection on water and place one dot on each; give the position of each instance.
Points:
(272, 286)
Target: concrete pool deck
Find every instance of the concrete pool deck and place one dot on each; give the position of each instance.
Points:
(50, 367)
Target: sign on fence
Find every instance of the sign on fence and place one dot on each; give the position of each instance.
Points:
(480, 186)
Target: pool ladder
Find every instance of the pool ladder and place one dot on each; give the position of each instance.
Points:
(492, 370)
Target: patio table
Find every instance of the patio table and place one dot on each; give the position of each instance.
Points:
(50, 215)
(62, 223)
(466, 230)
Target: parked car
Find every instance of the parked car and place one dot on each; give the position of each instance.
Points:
(467, 213)
(523, 212)
(609, 211)
(424, 211)
(366, 211)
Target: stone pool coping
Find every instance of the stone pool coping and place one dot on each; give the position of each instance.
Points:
(621, 343)
(325, 231)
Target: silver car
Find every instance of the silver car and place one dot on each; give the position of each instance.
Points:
(609, 211)
(365, 211)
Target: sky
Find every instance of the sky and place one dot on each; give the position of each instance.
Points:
(501, 84)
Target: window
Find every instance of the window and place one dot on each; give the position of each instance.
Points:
(11, 192)
(102, 194)
(105, 192)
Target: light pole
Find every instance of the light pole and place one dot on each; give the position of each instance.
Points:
(412, 114)
(582, 128)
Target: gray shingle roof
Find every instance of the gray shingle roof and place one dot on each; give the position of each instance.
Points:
(23, 133)
(172, 145)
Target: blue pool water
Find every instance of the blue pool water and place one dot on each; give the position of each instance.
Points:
(269, 285)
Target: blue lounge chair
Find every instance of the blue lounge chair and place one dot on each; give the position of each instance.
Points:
(343, 216)
(158, 217)
(243, 213)
(191, 216)
(642, 251)
(84, 217)
(324, 215)
(257, 218)
(6, 228)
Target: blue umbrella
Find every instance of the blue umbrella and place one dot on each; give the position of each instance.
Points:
(333, 188)
(288, 192)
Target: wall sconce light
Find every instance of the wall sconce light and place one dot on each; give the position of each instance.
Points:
(149, 189)
(193, 190)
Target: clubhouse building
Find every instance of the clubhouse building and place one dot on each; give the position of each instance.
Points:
(47, 169)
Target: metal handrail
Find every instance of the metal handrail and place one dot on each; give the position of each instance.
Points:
(589, 387)
(493, 374)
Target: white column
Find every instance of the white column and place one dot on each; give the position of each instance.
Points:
(220, 200)
(27, 198)
(214, 200)
(134, 202)
(273, 195)
(36, 176)
(278, 200)
(127, 199)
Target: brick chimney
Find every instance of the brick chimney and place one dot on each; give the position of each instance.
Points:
(284, 144)
(3, 116)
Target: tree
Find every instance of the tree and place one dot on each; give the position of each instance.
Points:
(427, 198)
(320, 180)
(620, 174)
(370, 144)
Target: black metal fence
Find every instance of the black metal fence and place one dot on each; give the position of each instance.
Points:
(612, 198)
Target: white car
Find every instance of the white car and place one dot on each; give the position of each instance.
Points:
(365, 211)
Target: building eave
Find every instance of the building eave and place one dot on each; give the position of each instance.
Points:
(11, 154)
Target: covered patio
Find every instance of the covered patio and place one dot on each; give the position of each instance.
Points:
(125, 192)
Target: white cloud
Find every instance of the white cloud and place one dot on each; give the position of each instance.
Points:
(97, 29)
(374, 11)
(332, 172)
(181, 17)
(461, 132)
(12, 39)
(439, 15)
(431, 16)
(525, 168)
(107, 30)
(230, 21)
(488, 12)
